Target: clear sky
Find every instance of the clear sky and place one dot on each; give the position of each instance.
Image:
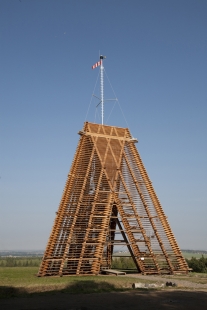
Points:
(157, 64)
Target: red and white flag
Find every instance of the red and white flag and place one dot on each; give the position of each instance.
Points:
(96, 64)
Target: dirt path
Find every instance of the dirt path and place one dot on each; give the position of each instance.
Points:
(189, 283)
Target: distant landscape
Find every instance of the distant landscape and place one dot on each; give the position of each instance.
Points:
(39, 253)
(196, 260)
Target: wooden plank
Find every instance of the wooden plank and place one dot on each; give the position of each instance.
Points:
(113, 271)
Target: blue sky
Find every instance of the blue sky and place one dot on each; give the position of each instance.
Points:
(156, 62)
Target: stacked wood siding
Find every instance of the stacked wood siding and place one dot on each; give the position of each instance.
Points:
(108, 190)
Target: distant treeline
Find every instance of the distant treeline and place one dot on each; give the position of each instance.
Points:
(195, 251)
(123, 263)
(119, 263)
(21, 253)
(20, 261)
(198, 264)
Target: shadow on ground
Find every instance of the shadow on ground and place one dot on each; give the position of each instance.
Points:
(79, 287)
(78, 296)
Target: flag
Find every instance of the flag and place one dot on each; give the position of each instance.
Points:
(96, 64)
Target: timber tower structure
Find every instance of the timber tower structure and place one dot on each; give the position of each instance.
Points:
(108, 192)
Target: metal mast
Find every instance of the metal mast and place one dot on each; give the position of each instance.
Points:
(102, 87)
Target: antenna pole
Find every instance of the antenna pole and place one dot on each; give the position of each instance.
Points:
(102, 87)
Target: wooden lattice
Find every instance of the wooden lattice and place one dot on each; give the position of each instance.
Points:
(108, 189)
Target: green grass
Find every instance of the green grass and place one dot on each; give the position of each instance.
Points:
(20, 261)
(15, 281)
(22, 281)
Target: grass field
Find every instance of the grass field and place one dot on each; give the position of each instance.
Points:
(22, 281)
(15, 281)
(189, 255)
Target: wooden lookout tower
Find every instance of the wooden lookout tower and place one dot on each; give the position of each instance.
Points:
(107, 192)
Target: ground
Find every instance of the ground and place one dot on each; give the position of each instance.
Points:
(115, 300)
(190, 293)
